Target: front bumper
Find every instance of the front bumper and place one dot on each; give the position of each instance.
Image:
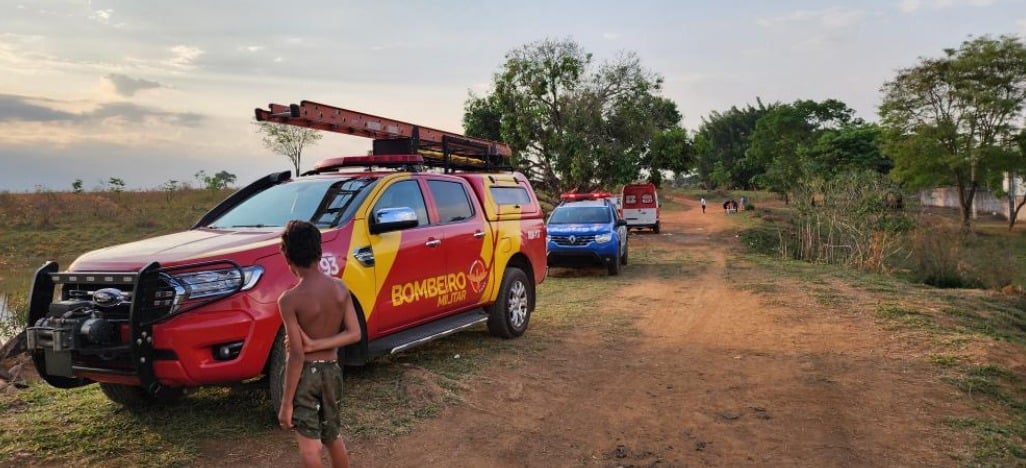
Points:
(150, 340)
(591, 254)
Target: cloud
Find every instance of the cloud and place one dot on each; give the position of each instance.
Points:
(910, 6)
(830, 18)
(610, 36)
(24, 109)
(127, 86)
(15, 108)
(252, 48)
(101, 16)
(184, 57)
(1022, 26)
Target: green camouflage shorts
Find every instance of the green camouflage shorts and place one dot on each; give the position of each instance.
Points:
(316, 412)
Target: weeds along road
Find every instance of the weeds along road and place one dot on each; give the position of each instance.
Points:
(695, 356)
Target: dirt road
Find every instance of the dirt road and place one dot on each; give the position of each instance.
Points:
(726, 368)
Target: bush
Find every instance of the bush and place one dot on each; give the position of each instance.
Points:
(763, 240)
(945, 256)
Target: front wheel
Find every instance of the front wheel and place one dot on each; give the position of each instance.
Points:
(136, 397)
(614, 265)
(623, 258)
(276, 371)
(508, 317)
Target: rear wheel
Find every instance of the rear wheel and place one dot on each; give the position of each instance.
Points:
(135, 397)
(656, 228)
(623, 258)
(509, 316)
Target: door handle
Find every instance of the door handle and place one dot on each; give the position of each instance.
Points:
(433, 243)
(479, 234)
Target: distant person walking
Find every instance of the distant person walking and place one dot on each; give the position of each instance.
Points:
(744, 202)
(726, 207)
(702, 201)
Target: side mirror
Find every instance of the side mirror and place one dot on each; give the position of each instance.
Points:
(621, 222)
(393, 219)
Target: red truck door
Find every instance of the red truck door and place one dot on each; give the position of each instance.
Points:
(462, 219)
(407, 284)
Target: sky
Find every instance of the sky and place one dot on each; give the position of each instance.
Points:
(151, 91)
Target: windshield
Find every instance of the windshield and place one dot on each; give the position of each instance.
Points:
(580, 215)
(324, 202)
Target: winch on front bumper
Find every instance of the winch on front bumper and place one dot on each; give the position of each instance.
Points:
(101, 326)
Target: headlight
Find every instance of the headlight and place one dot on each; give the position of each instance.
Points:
(603, 238)
(200, 284)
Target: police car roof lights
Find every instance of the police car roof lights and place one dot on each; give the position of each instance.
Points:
(573, 196)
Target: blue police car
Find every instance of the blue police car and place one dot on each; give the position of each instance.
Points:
(587, 230)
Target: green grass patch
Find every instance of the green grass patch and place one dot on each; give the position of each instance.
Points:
(81, 426)
(999, 441)
(944, 360)
(905, 317)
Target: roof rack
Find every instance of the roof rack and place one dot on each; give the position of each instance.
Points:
(438, 148)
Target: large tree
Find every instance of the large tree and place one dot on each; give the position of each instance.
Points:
(288, 140)
(573, 123)
(785, 140)
(944, 116)
(721, 143)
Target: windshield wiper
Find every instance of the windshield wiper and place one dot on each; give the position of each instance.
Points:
(243, 226)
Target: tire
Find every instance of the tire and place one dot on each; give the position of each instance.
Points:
(614, 266)
(655, 229)
(135, 397)
(623, 258)
(276, 371)
(509, 316)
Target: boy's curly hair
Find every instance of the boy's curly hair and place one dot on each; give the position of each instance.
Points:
(301, 243)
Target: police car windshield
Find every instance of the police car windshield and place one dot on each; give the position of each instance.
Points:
(324, 202)
(580, 215)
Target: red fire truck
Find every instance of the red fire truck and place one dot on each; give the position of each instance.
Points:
(432, 233)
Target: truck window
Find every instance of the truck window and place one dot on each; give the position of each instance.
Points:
(324, 202)
(406, 194)
(630, 199)
(647, 198)
(451, 201)
(510, 195)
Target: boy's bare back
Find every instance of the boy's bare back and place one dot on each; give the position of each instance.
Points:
(320, 303)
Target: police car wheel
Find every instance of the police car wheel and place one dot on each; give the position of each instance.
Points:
(623, 258)
(509, 316)
(614, 265)
(134, 396)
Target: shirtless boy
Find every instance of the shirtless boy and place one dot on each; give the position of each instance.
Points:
(313, 313)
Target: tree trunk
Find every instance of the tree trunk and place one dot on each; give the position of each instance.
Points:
(1014, 214)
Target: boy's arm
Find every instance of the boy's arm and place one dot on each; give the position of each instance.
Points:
(350, 330)
(293, 360)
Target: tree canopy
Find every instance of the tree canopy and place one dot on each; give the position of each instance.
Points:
(944, 117)
(721, 144)
(577, 124)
